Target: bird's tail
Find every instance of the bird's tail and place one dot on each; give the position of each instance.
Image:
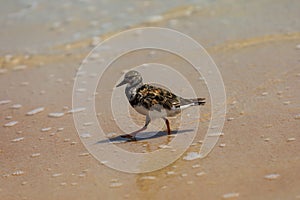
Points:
(198, 101)
(192, 102)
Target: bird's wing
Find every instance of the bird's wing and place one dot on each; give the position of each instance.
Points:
(152, 97)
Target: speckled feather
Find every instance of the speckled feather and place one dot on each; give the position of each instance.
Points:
(149, 95)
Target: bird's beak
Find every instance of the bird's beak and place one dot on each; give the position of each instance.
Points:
(122, 83)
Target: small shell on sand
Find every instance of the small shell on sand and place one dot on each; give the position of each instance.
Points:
(46, 129)
(192, 156)
(16, 106)
(18, 173)
(18, 139)
(297, 116)
(230, 195)
(88, 123)
(291, 139)
(52, 134)
(4, 102)
(196, 166)
(148, 178)
(10, 124)
(170, 173)
(24, 183)
(60, 129)
(8, 117)
(184, 174)
(35, 111)
(115, 185)
(85, 135)
(56, 175)
(103, 162)
(222, 145)
(34, 155)
(163, 146)
(155, 18)
(56, 115)
(75, 110)
(81, 90)
(271, 176)
(200, 173)
(25, 83)
(215, 134)
(84, 154)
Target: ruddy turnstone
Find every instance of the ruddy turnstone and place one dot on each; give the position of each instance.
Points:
(152, 101)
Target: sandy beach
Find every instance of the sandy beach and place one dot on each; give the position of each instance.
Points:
(256, 46)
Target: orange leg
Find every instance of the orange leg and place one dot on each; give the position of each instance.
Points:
(168, 126)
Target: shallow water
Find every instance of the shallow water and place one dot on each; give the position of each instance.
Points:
(31, 25)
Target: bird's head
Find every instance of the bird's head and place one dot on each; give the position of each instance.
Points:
(131, 78)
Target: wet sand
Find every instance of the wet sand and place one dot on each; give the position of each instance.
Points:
(255, 47)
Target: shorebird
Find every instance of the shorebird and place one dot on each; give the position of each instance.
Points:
(152, 101)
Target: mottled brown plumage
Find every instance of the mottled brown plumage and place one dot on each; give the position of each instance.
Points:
(149, 95)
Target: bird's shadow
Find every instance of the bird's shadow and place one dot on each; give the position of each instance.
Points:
(120, 139)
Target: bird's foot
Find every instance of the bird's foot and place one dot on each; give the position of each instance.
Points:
(128, 136)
